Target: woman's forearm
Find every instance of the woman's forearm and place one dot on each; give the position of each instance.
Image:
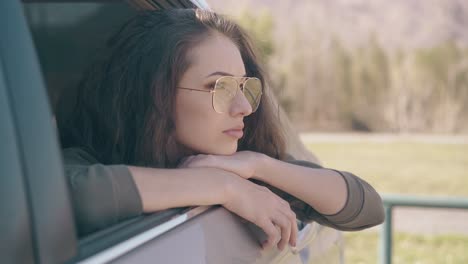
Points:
(325, 190)
(168, 188)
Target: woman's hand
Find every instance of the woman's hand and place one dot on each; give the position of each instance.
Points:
(265, 209)
(250, 201)
(242, 163)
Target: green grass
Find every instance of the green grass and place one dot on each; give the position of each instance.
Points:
(407, 168)
(361, 247)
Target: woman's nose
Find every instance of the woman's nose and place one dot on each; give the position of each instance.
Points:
(240, 105)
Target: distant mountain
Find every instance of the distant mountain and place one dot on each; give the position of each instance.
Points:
(396, 23)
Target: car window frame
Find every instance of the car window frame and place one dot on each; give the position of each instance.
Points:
(16, 219)
(51, 221)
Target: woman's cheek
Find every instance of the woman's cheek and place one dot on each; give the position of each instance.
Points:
(195, 132)
(199, 127)
(205, 138)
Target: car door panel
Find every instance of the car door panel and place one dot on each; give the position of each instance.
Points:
(216, 236)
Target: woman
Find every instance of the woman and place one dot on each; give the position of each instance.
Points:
(178, 113)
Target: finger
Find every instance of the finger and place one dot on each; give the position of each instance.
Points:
(291, 216)
(285, 203)
(283, 222)
(294, 230)
(272, 234)
(278, 198)
(285, 206)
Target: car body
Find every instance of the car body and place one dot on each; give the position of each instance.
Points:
(44, 47)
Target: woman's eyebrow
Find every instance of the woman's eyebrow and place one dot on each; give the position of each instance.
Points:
(221, 73)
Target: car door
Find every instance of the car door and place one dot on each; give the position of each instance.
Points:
(37, 224)
(40, 226)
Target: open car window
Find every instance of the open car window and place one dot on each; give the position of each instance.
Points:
(66, 36)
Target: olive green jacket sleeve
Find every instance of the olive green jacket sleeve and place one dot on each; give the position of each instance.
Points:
(102, 195)
(363, 207)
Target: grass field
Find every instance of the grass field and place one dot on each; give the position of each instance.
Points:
(408, 168)
(408, 248)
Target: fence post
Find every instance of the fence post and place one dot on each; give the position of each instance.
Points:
(386, 237)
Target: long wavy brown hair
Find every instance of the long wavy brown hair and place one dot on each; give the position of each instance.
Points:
(126, 100)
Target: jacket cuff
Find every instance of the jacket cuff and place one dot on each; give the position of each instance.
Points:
(354, 200)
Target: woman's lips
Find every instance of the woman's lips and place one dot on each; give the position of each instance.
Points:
(235, 133)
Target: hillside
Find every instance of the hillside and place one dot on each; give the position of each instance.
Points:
(398, 23)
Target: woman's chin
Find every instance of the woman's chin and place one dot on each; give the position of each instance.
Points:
(230, 150)
(223, 150)
(214, 148)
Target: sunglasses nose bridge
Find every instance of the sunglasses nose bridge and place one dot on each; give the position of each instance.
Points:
(241, 84)
(241, 97)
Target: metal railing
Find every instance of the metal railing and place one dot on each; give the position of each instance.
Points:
(394, 200)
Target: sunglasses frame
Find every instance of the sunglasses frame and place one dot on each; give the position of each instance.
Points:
(240, 87)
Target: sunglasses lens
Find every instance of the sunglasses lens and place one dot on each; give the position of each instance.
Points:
(225, 91)
(253, 92)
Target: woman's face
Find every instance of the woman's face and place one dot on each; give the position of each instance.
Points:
(198, 126)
